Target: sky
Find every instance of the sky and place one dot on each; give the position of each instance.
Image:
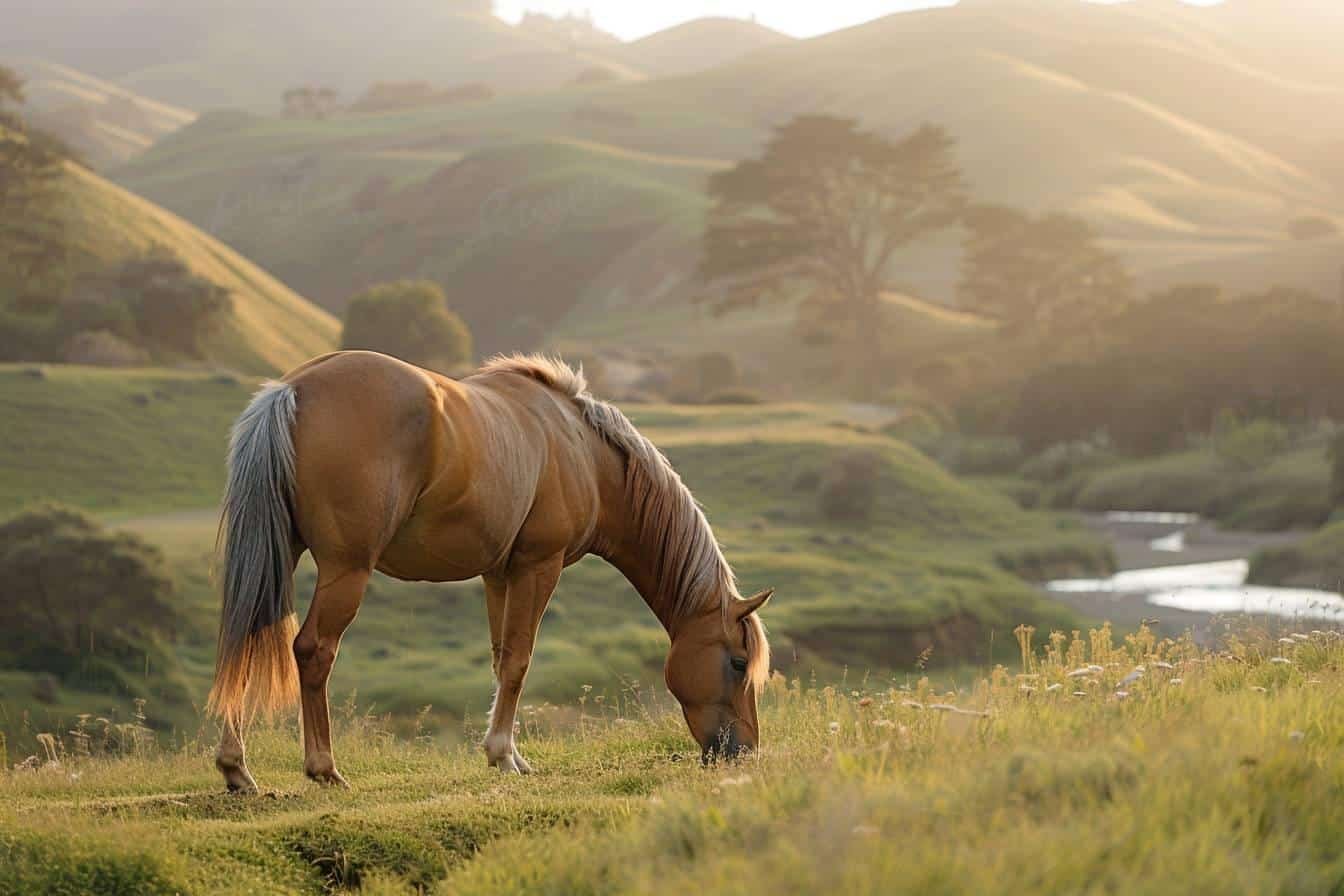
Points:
(631, 19)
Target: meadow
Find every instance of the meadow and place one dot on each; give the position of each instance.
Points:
(937, 572)
(1142, 766)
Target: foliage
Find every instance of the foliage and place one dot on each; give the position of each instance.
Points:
(1042, 274)
(1174, 364)
(848, 487)
(1316, 561)
(78, 596)
(408, 319)
(822, 212)
(695, 378)
(1248, 445)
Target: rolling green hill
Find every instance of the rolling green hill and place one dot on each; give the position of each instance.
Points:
(1132, 115)
(104, 123)
(270, 327)
(931, 570)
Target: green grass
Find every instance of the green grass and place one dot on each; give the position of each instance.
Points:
(1316, 561)
(933, 570)
(1288, 492)
(1217, 772)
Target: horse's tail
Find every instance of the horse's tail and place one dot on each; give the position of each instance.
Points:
(254, 666)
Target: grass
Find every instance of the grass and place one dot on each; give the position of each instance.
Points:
(1288, 492)
(1316, 561)
(936, 572)
(1214, 771)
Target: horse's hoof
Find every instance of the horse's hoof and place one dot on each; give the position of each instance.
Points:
(523, 767)
(330, 778)
(237, 778)
(511, 764)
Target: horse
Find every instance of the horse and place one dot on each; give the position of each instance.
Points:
(511, 475)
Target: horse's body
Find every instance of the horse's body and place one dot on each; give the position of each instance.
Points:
(512, 474)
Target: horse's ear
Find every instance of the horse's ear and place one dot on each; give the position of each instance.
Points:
(744, 608)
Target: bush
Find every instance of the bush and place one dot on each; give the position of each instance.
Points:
(408, 319)
(78, 597)
(694, 379)
(1245, 446)
(981, 455)
(848, 488)
(103, 349)
(1065, 459)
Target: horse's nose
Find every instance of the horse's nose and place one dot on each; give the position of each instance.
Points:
(725, 745)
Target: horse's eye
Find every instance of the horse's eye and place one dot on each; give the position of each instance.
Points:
(739, 665)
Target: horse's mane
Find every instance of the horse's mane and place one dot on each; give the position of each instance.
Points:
(692, 573)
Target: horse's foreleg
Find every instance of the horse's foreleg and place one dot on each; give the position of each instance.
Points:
(335, 603)
(527, 593)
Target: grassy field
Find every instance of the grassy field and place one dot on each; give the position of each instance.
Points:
(1209, 772)
(937, 571)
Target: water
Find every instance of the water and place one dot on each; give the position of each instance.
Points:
(1214, 587)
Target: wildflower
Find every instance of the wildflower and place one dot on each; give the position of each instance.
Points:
(1298, 636)
(1160, 664)
(1080, 693)
(834, 727)
(1121, 695)
(736, 782)
(912, 704)
(1132, 677)
(1281, 661)
(883, 723)
(866, 701)
(1054, 687)
(1288, 641)
(1027, 689)
(1256, 687)
(1176, 681)
(864, 830)
(1079, 673)
(1297, 736)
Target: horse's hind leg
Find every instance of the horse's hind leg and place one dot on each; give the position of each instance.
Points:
(230, 762)
(335, 603)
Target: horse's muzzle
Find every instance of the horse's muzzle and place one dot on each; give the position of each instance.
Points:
(725, 746)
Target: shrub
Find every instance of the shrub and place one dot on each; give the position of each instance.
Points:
(103, 349)
(849, 486)
(1245, 446)
(696, 378)
(408, 319)
(1065, 459)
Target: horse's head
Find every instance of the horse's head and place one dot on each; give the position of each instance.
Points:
(714, 670)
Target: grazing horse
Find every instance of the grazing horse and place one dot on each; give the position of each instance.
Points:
(511, 474)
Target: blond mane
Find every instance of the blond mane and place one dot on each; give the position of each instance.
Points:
(692, 573)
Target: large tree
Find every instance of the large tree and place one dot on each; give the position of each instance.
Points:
(1040, 273)
(821, 215)
(408, 319)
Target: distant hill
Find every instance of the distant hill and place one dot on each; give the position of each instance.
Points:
(270, 329)
(104, 123)
(247, 52)
(699, 44)
(1133, 115)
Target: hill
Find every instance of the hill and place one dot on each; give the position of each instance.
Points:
(699, 44)
(270, 327)
(931, 570)
(1101, 110)
(104, 123)
(192, 59)
(1039, 780)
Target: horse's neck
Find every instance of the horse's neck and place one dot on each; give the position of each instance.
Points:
(624, 547)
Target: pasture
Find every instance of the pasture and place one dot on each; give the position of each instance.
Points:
(1209, 772)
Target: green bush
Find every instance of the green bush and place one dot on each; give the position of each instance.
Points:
(1245, 446)
(408, 319)
(848, 488)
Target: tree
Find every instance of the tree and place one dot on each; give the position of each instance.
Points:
(821, 214)
(30, 163)
(1037, 273)
(408, 319)
(74, 589)
(172, 306)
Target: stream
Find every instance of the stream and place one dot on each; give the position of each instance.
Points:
(1179, 569)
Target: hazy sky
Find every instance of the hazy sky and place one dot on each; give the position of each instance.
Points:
(630, 19)
(802, 18)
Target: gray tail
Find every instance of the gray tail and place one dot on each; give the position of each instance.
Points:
(255, 667)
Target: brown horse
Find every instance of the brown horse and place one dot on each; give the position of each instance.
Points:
(511, 474)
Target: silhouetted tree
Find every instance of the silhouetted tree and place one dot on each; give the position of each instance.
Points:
(30, 163)
(172, 307)
(1039, 272)
(408, 319)
(821, 214)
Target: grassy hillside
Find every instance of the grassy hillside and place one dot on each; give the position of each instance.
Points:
(1214, 772)
(106, 124)
(931, 572)
(270, 328)
(699, 44)
(1102, 110)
